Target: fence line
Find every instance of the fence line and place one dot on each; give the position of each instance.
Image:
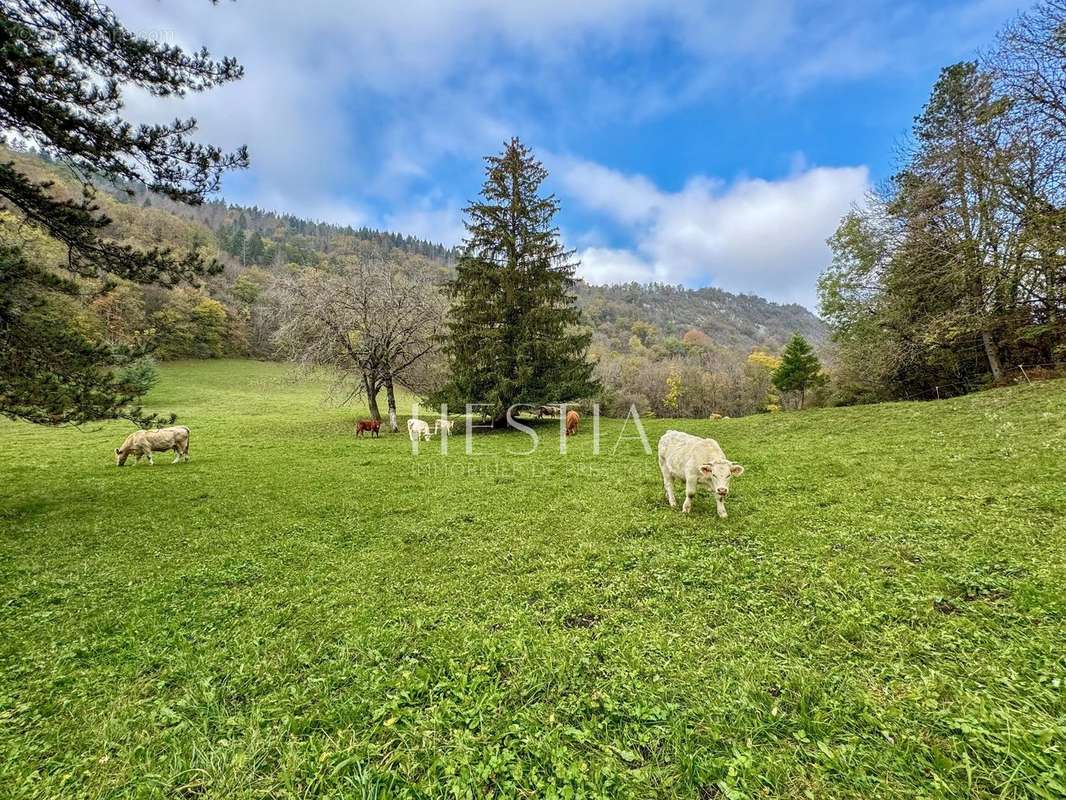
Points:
(942, 391)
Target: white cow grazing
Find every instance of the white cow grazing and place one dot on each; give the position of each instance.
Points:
(699, 462)
(443, 424)
(416, 428)
(141, 444)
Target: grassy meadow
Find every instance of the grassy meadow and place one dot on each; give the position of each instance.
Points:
(299, 613)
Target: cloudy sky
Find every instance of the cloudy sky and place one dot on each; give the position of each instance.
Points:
(703, 143)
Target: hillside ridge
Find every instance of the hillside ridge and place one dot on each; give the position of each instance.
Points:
(249, 236)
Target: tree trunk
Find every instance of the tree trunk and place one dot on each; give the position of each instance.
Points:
(992, 352)
(390, 393)
(372, 398)
(499, 420)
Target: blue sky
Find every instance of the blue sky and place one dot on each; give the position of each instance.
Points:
(703, 143)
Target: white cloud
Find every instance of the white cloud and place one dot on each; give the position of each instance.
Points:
(628, 198)
(338, 101)
(443, 223)
(752, 235)
(359, 107)
(609, 265)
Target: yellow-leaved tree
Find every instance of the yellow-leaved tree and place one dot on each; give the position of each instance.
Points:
(758, 370)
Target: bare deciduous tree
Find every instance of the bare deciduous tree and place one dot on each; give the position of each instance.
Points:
(1030, 63)
(376, 323)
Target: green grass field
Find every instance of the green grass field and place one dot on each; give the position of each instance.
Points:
(298, 613)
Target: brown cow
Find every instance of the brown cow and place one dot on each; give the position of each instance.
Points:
(572, 419)
(371, 425)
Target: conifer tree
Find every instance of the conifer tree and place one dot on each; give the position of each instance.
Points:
(513, 334)
(63, 67)
(799, 369)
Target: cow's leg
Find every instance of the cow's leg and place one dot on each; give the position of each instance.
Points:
(690, 492)
(150, 462)
(668, 483)
(177, 454)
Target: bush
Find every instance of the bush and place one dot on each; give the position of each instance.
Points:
(191, 325)
(139, 375)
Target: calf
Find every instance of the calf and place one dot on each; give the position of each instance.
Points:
(141, 444)
(416, 428)
(371, 425)
(572, 419)
(700, 462)
(443, 425)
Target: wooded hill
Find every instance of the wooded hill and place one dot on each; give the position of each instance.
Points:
(740, 322)
(256, 237)
(645, 337)
(245, 237)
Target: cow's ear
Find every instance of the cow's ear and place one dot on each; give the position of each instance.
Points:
(736, 469)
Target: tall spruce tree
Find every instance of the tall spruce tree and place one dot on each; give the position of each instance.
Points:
(63, 67)
(513, 334)
(799, 370)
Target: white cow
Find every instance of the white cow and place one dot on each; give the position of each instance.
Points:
(416, 428)
(443, 424)
(141, 444)
(699, 462)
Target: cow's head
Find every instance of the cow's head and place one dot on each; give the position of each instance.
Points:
(717, 475)
(120, 456)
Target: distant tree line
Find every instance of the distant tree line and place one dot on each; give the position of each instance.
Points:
(955, 271)
(740, 322)
(692, 376)
(258, 237)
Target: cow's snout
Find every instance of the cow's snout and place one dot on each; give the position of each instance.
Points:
(722, 491)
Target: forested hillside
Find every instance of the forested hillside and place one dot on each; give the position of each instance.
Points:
(668, 349)
(734, 321)
(257, 237)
